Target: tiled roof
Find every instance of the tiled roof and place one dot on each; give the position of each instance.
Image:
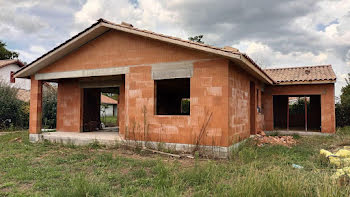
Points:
(4, 63)
(294, 75)
(108, 100)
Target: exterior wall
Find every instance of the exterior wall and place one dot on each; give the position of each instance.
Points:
(117, 49)
(327, 102)
(209, 92)
(214, 85)
(240, 106)
(69, 106)
(5, 77)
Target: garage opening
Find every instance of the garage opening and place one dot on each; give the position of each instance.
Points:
(172, 96)
(297, 112)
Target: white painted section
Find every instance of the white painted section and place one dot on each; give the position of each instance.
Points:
(5, 73)
(109, 110)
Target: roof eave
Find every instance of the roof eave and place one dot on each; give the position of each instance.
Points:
(313, 82)
(71, 45)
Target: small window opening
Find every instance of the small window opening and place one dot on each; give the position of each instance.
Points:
(12, 79)
(258, 108)
(172, 96)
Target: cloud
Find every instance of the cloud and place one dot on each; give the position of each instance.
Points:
(275, 33)
(34, 52)
(27, 24)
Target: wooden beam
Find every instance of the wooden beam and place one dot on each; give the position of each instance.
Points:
(287, 113)
(305, 104)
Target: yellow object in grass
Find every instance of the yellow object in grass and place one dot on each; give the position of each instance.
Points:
(343, 153)
(341, 172)
(325, 152)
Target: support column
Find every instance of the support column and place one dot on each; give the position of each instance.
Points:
(35, 106)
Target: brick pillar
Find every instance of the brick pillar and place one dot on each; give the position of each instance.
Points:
(35, 106)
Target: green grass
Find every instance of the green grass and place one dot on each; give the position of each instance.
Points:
(109, 120)
(46, 169)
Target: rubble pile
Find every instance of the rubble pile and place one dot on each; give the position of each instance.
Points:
(262, 139)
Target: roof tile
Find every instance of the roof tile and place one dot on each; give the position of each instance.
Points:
(302, 74)
(4, 63)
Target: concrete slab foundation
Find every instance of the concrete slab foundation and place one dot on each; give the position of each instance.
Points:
(113, 138)
(85, 138)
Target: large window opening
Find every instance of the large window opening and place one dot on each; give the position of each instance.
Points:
(172, 96)
(300, 113)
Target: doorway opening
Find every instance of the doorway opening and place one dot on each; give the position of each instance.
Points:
(100, 103)
(297, 112)
(252, 108)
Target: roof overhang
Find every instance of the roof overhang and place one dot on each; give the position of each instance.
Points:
(101, 27)
(306, 82)
(62, 50)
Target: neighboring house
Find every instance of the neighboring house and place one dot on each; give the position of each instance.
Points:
(8, 68)
(230, 96)
(11, 66)
(108, 106)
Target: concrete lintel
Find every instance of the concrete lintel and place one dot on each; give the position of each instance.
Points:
(100, 84)
(83, 73)
(172, 70)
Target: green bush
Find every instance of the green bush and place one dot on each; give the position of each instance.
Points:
(342, 115)
(49, 107)
(342, 109)
(14, 113)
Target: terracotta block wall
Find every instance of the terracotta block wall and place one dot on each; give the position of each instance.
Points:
(35, 106)
(69, 106)
(327, 102)
(115, 49)
(209, 92)
(239, 104)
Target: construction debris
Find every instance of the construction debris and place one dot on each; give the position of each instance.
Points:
(297, 166)
(342, 160)
(17, 139)
(262, 139)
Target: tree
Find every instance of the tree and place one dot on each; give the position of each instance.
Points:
(197, 39)
(345, 92)
(14, 113)
(342, 109)
(49, 107)
(5, 53)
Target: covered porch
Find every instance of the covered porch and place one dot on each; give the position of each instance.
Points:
(79, 119)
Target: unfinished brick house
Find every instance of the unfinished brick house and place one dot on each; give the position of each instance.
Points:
(175, 91)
